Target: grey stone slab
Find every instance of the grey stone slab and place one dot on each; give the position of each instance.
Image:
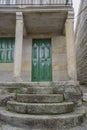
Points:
(5, 126)
(39, 90)
(43, 122)
(85, 97)
(6, 97)
(40, 98)
(42, 89)
(71, 90)
(40, 108)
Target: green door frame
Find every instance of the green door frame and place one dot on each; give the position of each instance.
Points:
(41, 60)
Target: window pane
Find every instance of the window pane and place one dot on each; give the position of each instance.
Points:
(6, 50)
(2, 1)
(12, 1)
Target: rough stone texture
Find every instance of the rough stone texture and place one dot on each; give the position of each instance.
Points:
(42, 90)
(73, 93)
(41, 116)
(39, 90)
(5, 126)
(24, 126)
(81, 43)
(71, 90)
(44, 122)
(85, 97)
(40, 108)
(38, 98)
(5, 98)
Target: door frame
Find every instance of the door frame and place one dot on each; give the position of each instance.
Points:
(32, 60)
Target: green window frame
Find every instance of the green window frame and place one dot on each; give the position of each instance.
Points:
(7, 50)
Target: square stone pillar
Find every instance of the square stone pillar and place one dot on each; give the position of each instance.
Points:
(70, 45)
(18, 44)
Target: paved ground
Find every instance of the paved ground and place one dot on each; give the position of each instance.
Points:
(4, 126)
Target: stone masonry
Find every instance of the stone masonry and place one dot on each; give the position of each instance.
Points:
(81, 42)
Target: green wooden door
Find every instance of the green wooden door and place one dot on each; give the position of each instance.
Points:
(41, 60)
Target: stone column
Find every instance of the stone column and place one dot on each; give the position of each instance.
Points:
(70, 45)
(18, 44)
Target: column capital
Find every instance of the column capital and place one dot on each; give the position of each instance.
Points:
(19, 16)
(70, 15)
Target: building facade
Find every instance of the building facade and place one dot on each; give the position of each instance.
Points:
(37, 40)
(81, 43)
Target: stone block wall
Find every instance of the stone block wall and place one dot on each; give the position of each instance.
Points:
(81, 42)
(59, 58)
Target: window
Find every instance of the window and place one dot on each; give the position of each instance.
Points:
(12, 1)
(46, 2)
(36, 2)
(2, 1)
(7, 1)
(7, 50)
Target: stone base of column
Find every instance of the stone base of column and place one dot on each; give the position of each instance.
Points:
(18, 79)
(71, 90)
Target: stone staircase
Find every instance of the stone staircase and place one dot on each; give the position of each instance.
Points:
(41, 108)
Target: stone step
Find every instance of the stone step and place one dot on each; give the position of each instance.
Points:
(85, 97)
(39, 98)
(43, 122)
(42, 90)
(40, 108)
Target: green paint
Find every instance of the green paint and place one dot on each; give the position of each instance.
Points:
(41, 60)
(7, 50)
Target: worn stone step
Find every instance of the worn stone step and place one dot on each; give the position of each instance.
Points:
(85, 97)
(43, 122)
(42, 90)
(40, 108)
(39, 98)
